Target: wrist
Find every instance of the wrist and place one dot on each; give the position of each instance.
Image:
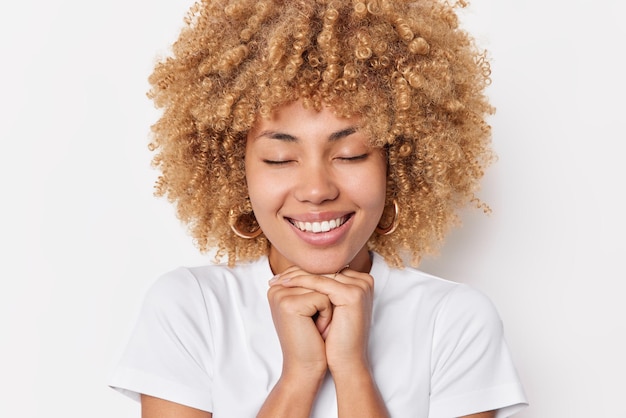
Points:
(357, 392)
(355, 369)
(298, 385)
(354, 363)
(309, 371)
(292, 396)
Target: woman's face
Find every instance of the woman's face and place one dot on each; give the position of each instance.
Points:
(317, 188)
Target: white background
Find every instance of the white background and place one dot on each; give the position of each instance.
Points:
(82, 236)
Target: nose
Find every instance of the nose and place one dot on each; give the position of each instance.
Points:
(316, 184)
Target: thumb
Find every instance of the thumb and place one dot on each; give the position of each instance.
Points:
(323, 318)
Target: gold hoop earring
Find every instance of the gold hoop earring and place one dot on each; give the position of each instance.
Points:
(251, 228)
(386, 230)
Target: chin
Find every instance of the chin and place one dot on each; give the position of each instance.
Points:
(320, 261)
(324, 264)
(323, 270)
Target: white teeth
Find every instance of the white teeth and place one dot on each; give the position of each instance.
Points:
(317, 227)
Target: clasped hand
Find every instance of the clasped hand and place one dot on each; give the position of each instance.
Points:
(322, 321)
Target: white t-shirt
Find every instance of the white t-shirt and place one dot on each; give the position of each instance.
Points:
(205, 338)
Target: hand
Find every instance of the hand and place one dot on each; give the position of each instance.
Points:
(346, 329)
(301, 317)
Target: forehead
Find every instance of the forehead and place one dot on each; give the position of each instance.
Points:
(293, 118)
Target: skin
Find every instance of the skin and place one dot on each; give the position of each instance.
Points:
(307, 166)
(320, 168)
(303, 165)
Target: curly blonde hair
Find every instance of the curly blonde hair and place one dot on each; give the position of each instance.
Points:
(410, 72)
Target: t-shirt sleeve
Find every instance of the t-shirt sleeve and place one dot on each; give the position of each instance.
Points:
(169, 353)
(472, 370)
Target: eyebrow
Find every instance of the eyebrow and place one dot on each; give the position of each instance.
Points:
(335, 136)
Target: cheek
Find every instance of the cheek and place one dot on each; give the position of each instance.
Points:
(253, 183)
(378, 200)
(370, 191)
(255, 187)
(265, 191)
(373, 186)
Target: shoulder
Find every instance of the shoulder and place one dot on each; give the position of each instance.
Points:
(411, 284)
(467, 305)
(185, 279)
(187, 288)
(411, 277)
(173, 298)
(449, 303)
(183, 286)
(180, 281)
(467, 320)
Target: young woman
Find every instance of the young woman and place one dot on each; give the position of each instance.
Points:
(317, 145)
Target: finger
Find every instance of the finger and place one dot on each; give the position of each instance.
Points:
(326, 284)
(324, 317)
(321, 310)
(354, 277)
(285, 273)
(276, 292)
(339, 294)
(302, 302)
(318, 283)
(293, 271)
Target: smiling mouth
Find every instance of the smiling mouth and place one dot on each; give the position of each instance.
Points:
(319, 227)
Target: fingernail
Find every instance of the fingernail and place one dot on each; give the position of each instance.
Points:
(273, 279)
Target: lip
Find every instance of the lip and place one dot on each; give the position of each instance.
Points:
(319, 226)
(318, 216)
(327, 238)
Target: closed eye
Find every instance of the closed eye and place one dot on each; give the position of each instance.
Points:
(276, 162)
(355, 158)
